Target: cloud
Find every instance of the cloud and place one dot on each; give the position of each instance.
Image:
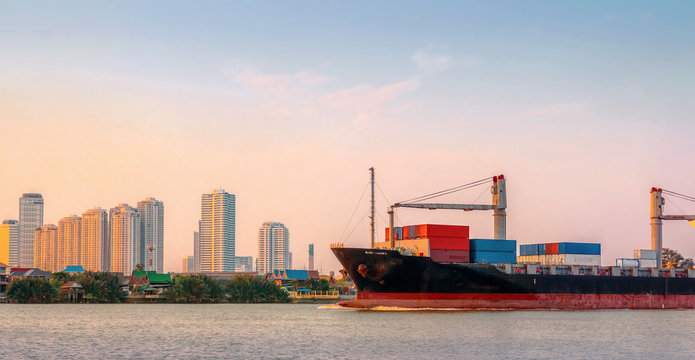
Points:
(282, 84)
(368, 102)
(431, 63)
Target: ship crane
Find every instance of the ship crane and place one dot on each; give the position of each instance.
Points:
(657, 215)
(499, 206)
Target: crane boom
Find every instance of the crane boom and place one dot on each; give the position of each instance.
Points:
(678, 217)
(435, 206)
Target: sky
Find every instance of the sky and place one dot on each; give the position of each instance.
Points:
(583, 105)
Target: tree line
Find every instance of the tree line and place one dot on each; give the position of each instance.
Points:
(103, 287)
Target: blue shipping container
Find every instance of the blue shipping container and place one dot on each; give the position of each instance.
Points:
(525, 250)
(541, 249)
(493, 257)
(493, 245)
(579, 248)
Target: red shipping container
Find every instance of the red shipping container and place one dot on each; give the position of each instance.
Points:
(435, 230)
(387, 234)
(555, 248)
(449, 243)
(551, 248)
(406, 232)
(450, 256)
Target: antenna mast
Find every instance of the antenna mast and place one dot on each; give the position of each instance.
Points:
(371, 217)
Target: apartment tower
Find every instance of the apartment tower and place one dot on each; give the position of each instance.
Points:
(9, 243)
(125, 238)
(95, 245)
(46, 248)
(151, 213)
(30, 219)
(273, 247)
(69, 241)
(217, 232)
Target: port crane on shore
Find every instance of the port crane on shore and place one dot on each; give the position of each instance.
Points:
(657, 215)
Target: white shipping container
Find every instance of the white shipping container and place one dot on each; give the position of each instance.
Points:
(643, 254)
(627, 262)
(563, 259)
(647, 263)
(580, 259)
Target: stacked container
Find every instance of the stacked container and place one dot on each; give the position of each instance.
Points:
(561, 253)
(627, 262)
(493, 251)
(443, 243)
(646, 257)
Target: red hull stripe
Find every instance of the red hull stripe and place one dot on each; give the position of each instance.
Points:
(521, 301)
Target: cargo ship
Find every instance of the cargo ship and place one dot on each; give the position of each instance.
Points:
(443, 269)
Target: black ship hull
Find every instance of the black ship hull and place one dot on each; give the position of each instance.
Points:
(387, 278)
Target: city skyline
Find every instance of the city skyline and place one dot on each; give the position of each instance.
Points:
(583, 106)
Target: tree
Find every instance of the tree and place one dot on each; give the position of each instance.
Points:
(195, 289)
(671, 259)
(139, 267)
(32, 290)
(255, 289)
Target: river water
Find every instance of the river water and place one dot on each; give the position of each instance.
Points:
(285, 331)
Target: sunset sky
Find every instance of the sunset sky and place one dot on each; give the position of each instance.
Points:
(584, 106)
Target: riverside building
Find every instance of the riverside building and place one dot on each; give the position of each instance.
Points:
(151, 213)
(125, 238)
(69, 242)
(95, 247)
(273, 247)
(217, 232)
(9, 243)
(30, 218)
(46, 248)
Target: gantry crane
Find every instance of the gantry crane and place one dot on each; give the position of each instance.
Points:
(499, 206)
(657, 215)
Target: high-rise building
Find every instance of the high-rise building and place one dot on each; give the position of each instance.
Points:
(273, 247)
(46, 248)
(311, 256)
(30, 219)
(95, 246)
(243, 264)
(151, 213)
(69, 241)
(188, 264)
(124, 224)
(9, 243)
(196, 249)
(217, 232)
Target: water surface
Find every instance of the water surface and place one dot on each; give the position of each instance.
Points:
(239, 331)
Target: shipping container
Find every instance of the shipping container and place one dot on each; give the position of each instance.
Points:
(540, 249)
(645, 254)
(627, 262)
(436, 230)
(493, 245)
(579, 248)
(450, 256)
(397, 230)
(406, 232)
(647, 263)
(493, 257)
(563, 259)
(451, 243)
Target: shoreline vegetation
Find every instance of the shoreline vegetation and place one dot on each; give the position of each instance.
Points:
(103, 287)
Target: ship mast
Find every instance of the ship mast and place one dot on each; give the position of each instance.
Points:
(371, 217)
